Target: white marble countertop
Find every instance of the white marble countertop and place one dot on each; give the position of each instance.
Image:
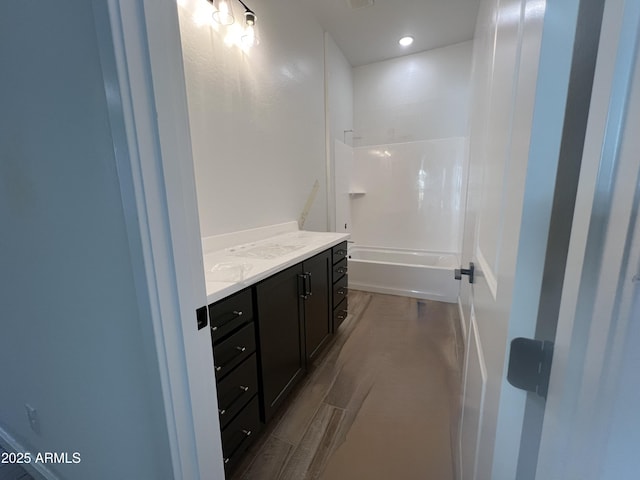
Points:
(228, 270)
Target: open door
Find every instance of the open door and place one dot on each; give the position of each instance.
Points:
(506, 53)
(525, 85)
(591, 426)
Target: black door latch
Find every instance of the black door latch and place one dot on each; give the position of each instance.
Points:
(202, 318)
(530, 365)
(458, 272)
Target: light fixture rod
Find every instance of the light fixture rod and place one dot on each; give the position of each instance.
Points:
(247, 9)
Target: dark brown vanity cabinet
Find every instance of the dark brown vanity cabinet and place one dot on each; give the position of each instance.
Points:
(281, 335)
(265, 336)
(317, 305)
(234, 351)
(294, 323)
(340, 289)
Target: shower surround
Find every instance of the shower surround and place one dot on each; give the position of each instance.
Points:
(407, 198)
(407, 172)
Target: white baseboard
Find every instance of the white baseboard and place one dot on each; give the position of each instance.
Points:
(37, 470)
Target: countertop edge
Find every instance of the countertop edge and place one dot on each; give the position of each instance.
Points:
(225, 292)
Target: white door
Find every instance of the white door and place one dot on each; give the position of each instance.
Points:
(591, 428)
(522, 60)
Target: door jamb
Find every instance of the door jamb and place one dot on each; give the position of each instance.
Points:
(141, 56)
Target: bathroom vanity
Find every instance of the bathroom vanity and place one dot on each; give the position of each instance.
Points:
(274, 304)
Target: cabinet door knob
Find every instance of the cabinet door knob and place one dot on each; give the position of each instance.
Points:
(240, 350)
(235, 314)
(247, 434)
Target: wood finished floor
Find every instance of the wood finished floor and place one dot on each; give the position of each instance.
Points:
(381, 403)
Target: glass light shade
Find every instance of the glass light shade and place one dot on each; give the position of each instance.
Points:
(223, 13)
(249, 17)
(248, 38)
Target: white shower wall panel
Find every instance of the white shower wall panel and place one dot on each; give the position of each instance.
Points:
(413, 194)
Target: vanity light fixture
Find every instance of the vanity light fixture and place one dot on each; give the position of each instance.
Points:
(406, 41)
(223, 14)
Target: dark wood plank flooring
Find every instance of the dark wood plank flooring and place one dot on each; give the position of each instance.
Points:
(381, 403)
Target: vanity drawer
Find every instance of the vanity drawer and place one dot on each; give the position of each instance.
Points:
(231, 352)
(228, 314)
(339, 252)
(240, 433)
(339, 291)
(339, 269)
(236, 389)
(340, 313)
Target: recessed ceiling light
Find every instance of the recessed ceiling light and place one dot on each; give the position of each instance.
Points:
(405, 41)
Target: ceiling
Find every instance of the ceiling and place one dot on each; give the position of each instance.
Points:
(370, 33)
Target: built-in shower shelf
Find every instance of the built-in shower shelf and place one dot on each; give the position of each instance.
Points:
(357, 193)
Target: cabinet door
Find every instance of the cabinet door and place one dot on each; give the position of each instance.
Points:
(281, 336)
(317, 306)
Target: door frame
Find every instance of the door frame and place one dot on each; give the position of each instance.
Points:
(141, 57)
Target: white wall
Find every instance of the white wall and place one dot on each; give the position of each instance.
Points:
(72, 343)
(339, 99)
(416, 97)
(411, 116)
(257, 117)
(339, 92)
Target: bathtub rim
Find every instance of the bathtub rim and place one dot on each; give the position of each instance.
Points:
(356, 246)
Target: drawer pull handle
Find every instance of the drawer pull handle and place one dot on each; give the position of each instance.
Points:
(247, 434)
(305, 278)
(308, 291)
(341, 252)
(243, 389)
(341, 317)
(341, 270)
(342, 291)
(235, 314)
(240, 351)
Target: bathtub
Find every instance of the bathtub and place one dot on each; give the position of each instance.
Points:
(418, 274)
